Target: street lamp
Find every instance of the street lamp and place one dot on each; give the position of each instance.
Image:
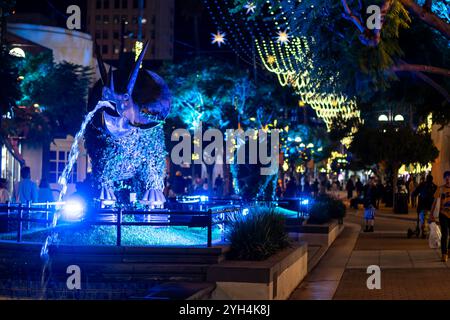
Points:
(391, 118)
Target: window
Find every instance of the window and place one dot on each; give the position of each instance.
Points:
(116, 4)
(105, 19)
(58, 161)
(153, 34)
(135, 4)
(153, 20)
(98, 35)
(98, 18)
(105, 49)
(116, 19)
(116, 35)
(124, 4)
(106, 4)
(115, 49)
(105, 34)
(98, 4)
(124, 18)
(134, 20)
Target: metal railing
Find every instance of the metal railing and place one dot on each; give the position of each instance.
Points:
(115, 217)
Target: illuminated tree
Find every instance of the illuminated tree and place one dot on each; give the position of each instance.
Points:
(395, 146)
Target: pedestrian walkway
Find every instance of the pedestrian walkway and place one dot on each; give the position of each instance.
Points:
(409, 268)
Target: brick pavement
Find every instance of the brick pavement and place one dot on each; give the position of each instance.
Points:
(410, 270)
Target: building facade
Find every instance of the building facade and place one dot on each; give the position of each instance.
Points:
(111, 21)
(65, 45)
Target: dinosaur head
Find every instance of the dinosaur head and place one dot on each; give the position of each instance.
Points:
(127, 113)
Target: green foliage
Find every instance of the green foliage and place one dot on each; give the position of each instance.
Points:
(257, 236)
(9, 88)
(60, 90)
(220, 94)
(394, 145)
(345, 62)
(326, 208)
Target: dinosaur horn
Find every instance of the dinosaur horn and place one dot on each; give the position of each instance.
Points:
(111, 79)
(101, 66)
(134, 75)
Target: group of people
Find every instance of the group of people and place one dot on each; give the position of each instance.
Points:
(26, 191)
(179, 186)
(432, 203)
(291, 188)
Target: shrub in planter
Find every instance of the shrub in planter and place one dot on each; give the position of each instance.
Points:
(337, 209)
(318, 213)
(326, 208)
(258, 235)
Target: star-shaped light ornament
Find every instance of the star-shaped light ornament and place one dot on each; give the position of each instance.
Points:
(251, 7)
(271, 60)
(219, 38)
(283, 37)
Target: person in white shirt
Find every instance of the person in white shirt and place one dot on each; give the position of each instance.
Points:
(27, 190)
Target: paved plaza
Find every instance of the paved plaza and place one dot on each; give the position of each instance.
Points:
(410, 270)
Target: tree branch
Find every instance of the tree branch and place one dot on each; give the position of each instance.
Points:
(435, 85)
(427, 5)
(421, 68)
(425, 78)
(351, 17)
(428, 17)
(367, 37)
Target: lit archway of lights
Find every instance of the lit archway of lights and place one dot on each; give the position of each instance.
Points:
(287, 60)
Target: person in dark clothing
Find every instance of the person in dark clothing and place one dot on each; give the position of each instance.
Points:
(219, 186)
(178, 184)
(380, 193)
(315, 187)
(425, 192)
(350, 187)
(359, 188)
(443, 194)
(370, 199)
(291, 189)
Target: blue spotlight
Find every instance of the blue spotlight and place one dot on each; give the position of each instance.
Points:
(304, 202)
(245, 211)
(73, 210)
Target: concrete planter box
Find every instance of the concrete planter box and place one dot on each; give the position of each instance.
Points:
(316, 234)
(272, 279)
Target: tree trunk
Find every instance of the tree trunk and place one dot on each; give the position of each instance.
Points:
(429, 18)
(395, 168)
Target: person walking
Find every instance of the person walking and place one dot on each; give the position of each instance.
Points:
(425, 192)
(27, 189)
(412, 188)
(370, 199)
(350, 187)
(443, 193)
(359, 188)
